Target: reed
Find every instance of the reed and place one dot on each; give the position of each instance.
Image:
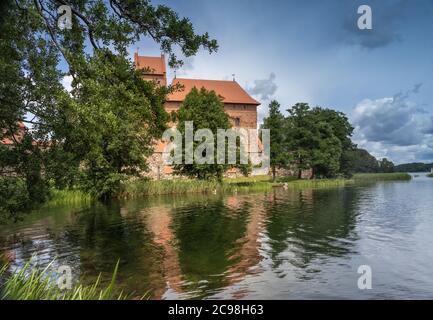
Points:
(68, 197)
(146, 187)
(318, 183)
(34, 284)
(251, 179)
(140, 187)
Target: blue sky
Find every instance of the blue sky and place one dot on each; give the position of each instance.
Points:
(312, 51)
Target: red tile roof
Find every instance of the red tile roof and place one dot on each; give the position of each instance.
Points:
(155, 64)
(18, 136)
(231, 91)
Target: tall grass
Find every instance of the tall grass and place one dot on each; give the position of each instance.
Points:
(33, 284)
(145, 187)
(68, 196)
(140, 187)
(250, 179)
(382, 176)
(318, 183)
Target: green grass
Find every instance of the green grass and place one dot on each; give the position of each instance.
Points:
(382, 176)
(145, 187)
(34, 284)
(249, 179)
(139, 187)
(318, 183)
(67, 197)
(430, 175)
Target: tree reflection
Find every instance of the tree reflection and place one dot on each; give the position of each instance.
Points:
(306, 224)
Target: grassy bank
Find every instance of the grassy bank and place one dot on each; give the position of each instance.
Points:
(138, 188)
(395, 176)
(430, 175)
(34, 284)
(319, 183)
(143, 187)
(65, 197)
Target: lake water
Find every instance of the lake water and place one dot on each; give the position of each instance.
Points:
(282, 244)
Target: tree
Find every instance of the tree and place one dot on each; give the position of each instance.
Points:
(414, 167)
(312, 143)
(206, 110)
(386, 166)
(110, 117)
(275, 122)
(116, 123)
(360, 161)
(342, 129)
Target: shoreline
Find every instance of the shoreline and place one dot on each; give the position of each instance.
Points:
(144, 188)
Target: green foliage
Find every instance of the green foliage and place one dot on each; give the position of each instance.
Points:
(275, 122)
(386, 166)
(413, 167)
(33, 284)
(68, 196)
(342, 129)
(142, 187)
(261, 178)
(107, 124)
(360, 161)
(318, 183)
(24, 161)
(61, 167)
(206, 110)
(316, 139)
(14, 198)
(117, 116)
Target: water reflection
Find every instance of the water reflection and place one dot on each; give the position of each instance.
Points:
(232, 246)
(310, 223)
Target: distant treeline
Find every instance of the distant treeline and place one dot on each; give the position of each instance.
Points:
(414, 167)
(361, 161)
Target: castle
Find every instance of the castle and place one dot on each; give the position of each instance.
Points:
(238, 104)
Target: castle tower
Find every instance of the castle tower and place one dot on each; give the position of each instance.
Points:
(153, 68)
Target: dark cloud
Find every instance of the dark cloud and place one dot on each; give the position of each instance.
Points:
(394, 127)
(264, 89)
(386, 17)
(417, 86)
(387, 120)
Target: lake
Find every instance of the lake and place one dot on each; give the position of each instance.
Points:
(280, 244)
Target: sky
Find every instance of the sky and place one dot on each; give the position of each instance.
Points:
(312, 51)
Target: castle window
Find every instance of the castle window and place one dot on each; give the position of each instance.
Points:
(237, 122)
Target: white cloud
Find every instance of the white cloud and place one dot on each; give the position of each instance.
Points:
(394, 127)
(67, 83)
